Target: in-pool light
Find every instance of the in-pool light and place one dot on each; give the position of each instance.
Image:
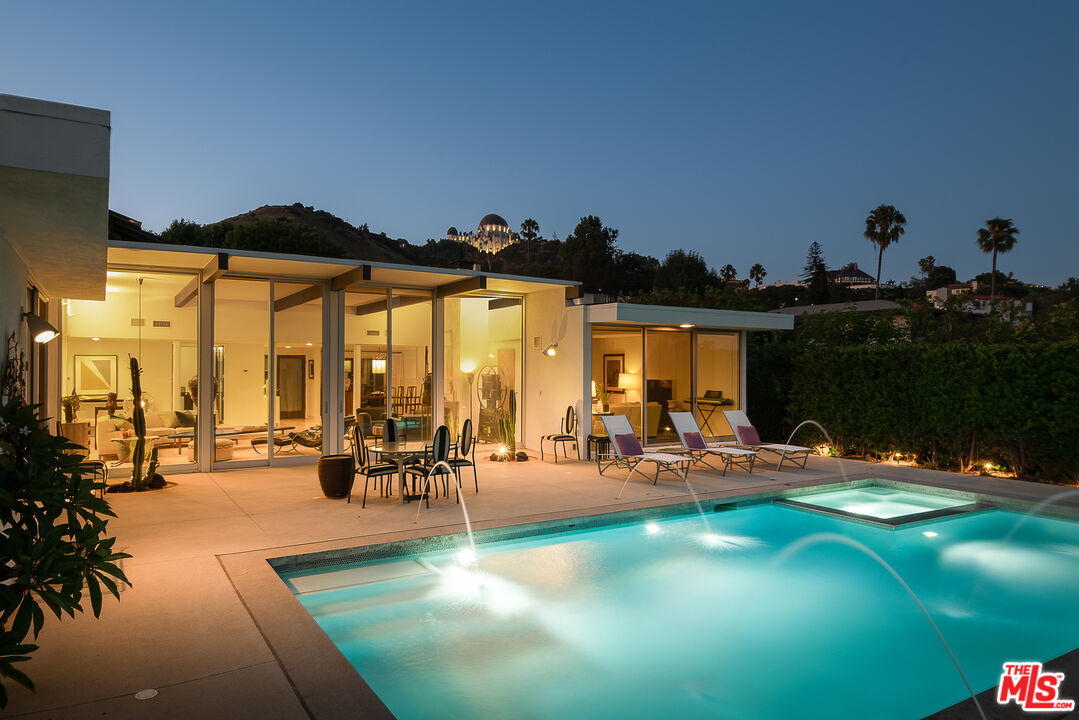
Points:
(652, 528)
(929, 534)
(466, 557)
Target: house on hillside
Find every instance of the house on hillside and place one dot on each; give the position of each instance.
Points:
(977, 303)
(850, 274)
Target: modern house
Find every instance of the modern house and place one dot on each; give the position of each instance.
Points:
(242, 351)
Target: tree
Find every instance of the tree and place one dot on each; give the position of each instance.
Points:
(529, 232)
(636, 272)
(998, 236)
(757, 273)
(728, 273)
(939, 276)
(683, 269)
(815, 274)
(927, 264)
(589, 254)
(883, 227)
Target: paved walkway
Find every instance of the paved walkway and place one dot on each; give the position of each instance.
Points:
(184, 630)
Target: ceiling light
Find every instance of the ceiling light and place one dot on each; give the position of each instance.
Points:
(686, 325)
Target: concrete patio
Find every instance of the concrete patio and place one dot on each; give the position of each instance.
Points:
(205, 621)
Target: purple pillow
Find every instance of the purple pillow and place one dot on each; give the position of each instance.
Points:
(628, 444)
(694, 441)
(747, 435)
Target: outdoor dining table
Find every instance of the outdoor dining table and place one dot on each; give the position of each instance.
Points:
(402, 453)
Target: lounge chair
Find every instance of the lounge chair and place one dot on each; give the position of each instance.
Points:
(747, 437)
(693, 442)
(629, 454)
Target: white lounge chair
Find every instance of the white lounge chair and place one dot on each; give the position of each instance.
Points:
(693, 442)
(747, 437)
(629, 454)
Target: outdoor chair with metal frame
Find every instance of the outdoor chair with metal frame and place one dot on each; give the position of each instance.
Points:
(629, 454)
(434, 454)
(566, 434)
(465, 448)
(368, 468)
(694, 446)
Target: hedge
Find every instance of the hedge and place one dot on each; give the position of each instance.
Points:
(953, 405)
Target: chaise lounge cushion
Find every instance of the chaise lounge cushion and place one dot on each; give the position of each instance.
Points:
(747, 435)
(694, 441)
(628, 444)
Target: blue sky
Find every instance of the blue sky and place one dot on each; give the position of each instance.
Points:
(744, 131)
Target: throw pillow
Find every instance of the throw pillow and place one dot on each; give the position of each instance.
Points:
(694, 441)
(747, 435)
(628, 444)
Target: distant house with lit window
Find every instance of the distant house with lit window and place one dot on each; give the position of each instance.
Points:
(851, 274)
(977, 303)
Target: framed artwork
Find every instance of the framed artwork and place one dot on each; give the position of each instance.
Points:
(95, 375)
(612, 366)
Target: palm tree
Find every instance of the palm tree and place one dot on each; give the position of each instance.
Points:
(882, 228)
(529, 232)
(998, 235)
(757, 273)
(728, 273)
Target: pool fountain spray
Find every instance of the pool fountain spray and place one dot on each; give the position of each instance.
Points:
(842, 470)
(467, 556)
(820, 538)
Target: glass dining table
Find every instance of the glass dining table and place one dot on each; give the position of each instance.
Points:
(403, 453)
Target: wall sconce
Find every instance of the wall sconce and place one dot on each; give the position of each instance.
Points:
(40, 329)
(551, 350)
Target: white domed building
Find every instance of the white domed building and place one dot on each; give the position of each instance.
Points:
(492, 235)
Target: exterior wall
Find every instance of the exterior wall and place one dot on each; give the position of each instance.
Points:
(12, 292)
(552, 383)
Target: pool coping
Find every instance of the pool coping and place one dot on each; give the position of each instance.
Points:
(329, 687)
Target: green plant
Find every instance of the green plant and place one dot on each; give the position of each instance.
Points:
(71, 405)
(54, 541)
(507, 425)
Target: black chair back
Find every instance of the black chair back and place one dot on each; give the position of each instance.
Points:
(466, 438)
(440, 445)
(359, 449)
(363, 421)
(389, 431)
(571, 421)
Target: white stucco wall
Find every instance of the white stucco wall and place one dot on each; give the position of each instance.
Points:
(12, 290)
(553, 383)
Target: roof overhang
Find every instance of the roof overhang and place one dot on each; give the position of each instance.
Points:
(344, 274)
(674, 317)
(54, 193)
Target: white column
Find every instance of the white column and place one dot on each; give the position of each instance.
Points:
(205, 395)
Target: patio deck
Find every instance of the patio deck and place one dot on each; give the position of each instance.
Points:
(187, 627)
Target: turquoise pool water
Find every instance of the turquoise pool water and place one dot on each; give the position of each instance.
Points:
(880, 502)
(651, 619)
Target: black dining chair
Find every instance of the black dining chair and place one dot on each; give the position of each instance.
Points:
(389, 431)
(370, 470)
(566, 434)
(465, 454)
(438, 451)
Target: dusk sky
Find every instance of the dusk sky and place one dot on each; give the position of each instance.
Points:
(742, 130)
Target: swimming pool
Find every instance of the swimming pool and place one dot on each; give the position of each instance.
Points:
(760, 617)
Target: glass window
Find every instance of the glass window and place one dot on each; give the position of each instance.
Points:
(152, 317)
(298, 364)
(241, 369)
(718, 381)
(617, 363)
(482, 363)
(410, 363)
(669, 383)
(366, 353)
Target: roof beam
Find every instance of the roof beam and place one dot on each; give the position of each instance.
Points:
(361, 273)
(499, 303)
(573, 292)
(459, 287)
(398, 301)
(216, 268)
(301, 297)
(189, 293)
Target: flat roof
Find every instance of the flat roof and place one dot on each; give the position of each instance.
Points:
(311, 268)
(664, 316)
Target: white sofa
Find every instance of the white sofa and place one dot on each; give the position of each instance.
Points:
(162, 424)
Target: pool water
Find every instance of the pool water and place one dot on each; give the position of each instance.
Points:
(656, 618)
(880, 502)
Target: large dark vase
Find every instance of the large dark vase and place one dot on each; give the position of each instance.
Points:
(335, 475)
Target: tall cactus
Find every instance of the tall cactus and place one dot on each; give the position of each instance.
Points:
(138, 419)
(507, 425)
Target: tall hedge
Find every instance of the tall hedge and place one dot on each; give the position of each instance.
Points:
(953, 405)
